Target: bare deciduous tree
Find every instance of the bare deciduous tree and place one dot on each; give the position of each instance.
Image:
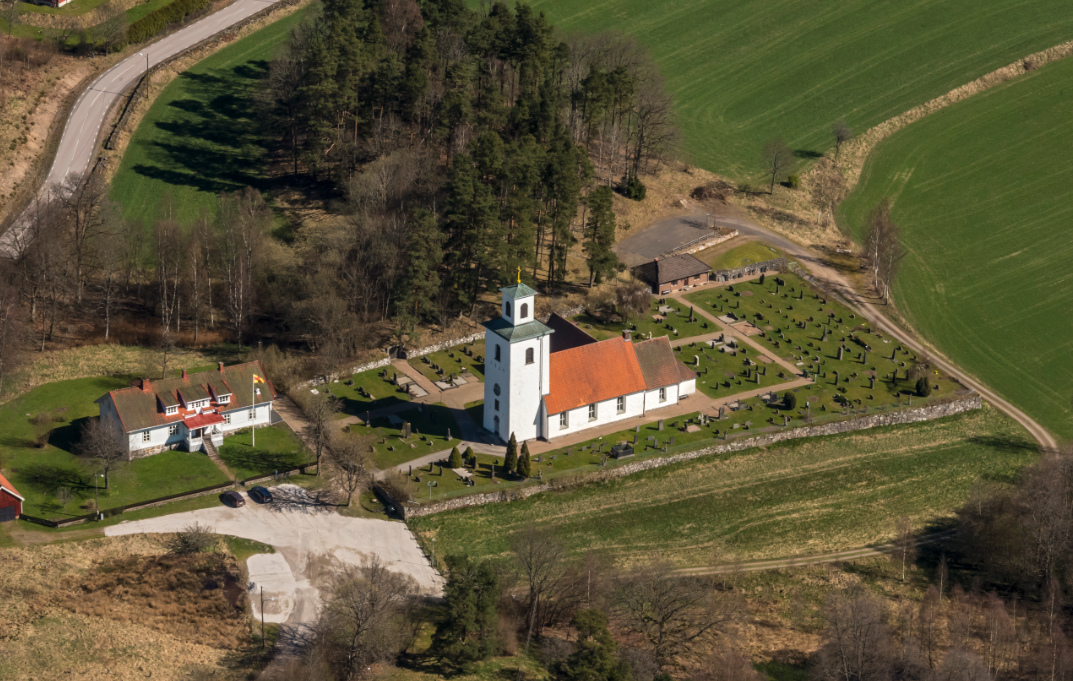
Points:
(352, 463)
(905, 547)
(365, 618)
(633, 298)
(777, 158)
(194, 538)
(320, 416)
(883, 250)
(673, 615)
(14, 330)
(542, 560)
(104, 444)
(856, 642)
(842, 134)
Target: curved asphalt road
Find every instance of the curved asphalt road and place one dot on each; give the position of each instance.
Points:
(78, 145)
(874, 313)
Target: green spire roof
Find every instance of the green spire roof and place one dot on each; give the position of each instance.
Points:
(516, 291)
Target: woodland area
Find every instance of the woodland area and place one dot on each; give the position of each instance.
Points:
(456, 148)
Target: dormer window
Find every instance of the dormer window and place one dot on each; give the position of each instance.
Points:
(223, 399)
(171, 411)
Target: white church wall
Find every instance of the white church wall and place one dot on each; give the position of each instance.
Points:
(606, 412)
(652, 400)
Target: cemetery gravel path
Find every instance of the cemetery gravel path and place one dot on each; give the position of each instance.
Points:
(875, 313)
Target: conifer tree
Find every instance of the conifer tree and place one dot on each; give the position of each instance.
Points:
(594, 659)
(600, 236)
(469, 457)
(510, 461)
(421, 282)
(455, 459)
(525, 469)
(467, 633)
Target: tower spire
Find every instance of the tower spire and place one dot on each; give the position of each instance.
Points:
(519, 274)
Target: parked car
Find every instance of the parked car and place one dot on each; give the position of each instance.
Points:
(232, 499)
(260, 495)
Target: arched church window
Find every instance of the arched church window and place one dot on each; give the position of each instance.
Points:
(498, 357)
(496, 389)
(525, 311)
(529, 355)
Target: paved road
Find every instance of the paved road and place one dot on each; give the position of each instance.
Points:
(312, 542)
(78, 145)
(874, 311)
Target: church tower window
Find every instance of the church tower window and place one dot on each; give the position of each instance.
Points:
(529, 355)
(525, 311)
(499, 358)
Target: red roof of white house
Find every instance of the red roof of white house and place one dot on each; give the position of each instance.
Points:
(9, 488)
(202, 420)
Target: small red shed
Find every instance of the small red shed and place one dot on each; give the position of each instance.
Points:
(10, 501)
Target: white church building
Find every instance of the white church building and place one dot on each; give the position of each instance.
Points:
(549, 380)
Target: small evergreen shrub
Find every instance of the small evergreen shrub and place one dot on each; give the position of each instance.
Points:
(795, 181)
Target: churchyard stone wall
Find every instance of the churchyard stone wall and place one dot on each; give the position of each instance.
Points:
(428, 350)
(936, 411)
(752, 269)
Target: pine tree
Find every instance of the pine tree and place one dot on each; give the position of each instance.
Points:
(510, 461)
(600, 235)
(594, 659)
(421, 281)
(525, 468)
(469, 457)
(455, 459)
(468, 631)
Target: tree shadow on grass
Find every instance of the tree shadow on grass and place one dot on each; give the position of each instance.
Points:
(249, 458)
(67, 437)
(807, 153)
(214, 142)
(45, 478)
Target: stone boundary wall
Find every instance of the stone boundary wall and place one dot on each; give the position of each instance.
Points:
(917, 415)
(428, 350)
(705, 242)
(773, 265)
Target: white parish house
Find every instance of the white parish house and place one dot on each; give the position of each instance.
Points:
(547, 380)
(192, 411)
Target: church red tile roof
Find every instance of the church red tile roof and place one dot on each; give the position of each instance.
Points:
(659, 365)
(593, 373)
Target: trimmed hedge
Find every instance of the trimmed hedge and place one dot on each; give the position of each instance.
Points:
(156, 21)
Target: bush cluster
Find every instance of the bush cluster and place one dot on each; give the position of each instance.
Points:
(632, 187)
(157, 20)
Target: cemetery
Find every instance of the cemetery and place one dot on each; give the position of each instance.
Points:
(725, 368)
(465, 361)
(409, 434)
(853, 366)
(367, 391)
(661, 319)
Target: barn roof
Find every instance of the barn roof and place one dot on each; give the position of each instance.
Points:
(9, 488)
(661, 271)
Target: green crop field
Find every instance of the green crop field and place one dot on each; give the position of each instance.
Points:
(742, 72)
(201, 135)
(981, 192)
(796, 498)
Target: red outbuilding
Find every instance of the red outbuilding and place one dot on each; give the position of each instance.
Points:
(10, 501)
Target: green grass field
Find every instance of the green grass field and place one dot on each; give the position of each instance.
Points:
(744, 72)
(981, 192)
(798, 498)
(278, 449)
(39, 472)
(452, 361)
(739, 256)
(201, 136)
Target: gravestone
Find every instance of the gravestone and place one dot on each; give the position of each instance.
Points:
(722, 412)
(660, 425)
(406, 430)
(638, 429)
(696, 360)
(839, 353)
(672, 441)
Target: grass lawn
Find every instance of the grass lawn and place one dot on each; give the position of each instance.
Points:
(744, 72)
(676, 325)
(379, 392)
(795, 322)
(748, 252)
(796, 498)
(981, 192)
(39, 472)
(725, 373)
(452, 361)
(278, 449)
(430, 425)
(201, 135)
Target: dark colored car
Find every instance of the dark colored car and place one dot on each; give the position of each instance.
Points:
(232, 499)
(260, 495)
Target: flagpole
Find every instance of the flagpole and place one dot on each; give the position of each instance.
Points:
(253, 396)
